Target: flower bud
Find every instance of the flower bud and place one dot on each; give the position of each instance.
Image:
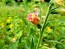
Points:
(33, 18)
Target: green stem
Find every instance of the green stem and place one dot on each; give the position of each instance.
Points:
(39, 40)
(49, 9)
(44, 26)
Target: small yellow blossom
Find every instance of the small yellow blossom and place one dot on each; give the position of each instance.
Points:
(8, 20)
(11, 25)
(48, 29)
(59, 2)
(2, 24)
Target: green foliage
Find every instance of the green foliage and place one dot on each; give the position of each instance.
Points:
(18, 33)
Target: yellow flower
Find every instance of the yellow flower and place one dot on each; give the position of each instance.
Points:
(8, 20)
(48, 29)
(2, 24)
(11, 25)
(59, 2)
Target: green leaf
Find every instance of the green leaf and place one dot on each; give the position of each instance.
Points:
(13, 45)
(19, 35)
(31, 32)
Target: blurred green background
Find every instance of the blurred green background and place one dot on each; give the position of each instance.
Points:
(16, 32)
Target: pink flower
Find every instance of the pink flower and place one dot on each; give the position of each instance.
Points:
(33, 17)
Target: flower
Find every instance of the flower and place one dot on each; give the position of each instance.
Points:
(36, 11)
(59, 2)
(48, 29)
(33, 17)
(8, 20)
(2, 24)
(10, 26)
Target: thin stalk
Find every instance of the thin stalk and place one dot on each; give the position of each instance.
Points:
(42, 29)
(49, 9)
(39, 40)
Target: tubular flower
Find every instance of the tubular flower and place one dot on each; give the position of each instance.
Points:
(33, 17)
